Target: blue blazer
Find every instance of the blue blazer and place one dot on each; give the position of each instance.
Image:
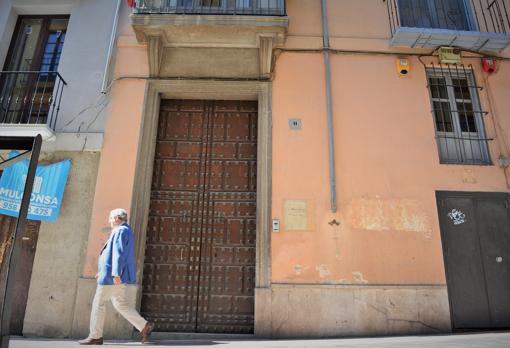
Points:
(117, 258)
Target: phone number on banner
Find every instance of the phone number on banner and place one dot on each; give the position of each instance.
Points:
(31, 210)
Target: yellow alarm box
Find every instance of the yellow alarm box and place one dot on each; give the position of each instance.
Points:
(403, 67)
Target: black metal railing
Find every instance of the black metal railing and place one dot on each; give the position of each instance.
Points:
(469, 15)
(30, 97)
(212, 7)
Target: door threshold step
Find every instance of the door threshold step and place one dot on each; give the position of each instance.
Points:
(199, 336)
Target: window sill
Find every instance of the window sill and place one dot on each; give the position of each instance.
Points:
(27, 130)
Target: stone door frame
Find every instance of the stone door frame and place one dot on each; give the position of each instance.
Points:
(157, 90)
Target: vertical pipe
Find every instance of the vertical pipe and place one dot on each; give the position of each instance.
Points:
(106, 73)
(331, 143)
(13, 257)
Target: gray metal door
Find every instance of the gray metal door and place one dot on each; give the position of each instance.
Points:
(475, 232)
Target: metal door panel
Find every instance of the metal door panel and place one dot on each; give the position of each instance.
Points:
(464, 267)
(494, 230)
(475, 230)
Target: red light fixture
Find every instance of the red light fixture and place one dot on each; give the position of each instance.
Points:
(131, 3)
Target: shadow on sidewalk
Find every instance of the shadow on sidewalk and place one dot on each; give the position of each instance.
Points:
(169, 343)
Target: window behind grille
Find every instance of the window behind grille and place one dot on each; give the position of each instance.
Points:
(458, 119)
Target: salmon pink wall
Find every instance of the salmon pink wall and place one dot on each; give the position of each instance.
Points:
(387, 169)
(117, 165)
(115, 179)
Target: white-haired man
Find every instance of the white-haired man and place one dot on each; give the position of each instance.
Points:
(116, 271)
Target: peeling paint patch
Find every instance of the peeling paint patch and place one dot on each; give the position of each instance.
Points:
(358, 278)
(369, 214)
(323, 270)
(384, 215)
(344, 281)
(300, 269)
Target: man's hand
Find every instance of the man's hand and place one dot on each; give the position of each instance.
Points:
(117, 281)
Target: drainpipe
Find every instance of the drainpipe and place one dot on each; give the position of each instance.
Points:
(106, 72)
(331, 142)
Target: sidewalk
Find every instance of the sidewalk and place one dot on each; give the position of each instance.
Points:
(484, 340)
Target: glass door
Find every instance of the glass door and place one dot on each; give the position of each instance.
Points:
(28, 79)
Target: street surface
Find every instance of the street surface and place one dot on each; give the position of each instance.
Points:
(478, 340)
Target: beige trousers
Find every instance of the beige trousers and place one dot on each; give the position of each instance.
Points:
(118, 294)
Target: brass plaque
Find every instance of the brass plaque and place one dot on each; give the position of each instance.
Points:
(296, 215)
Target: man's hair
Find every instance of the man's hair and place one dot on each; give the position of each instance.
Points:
(120, 213)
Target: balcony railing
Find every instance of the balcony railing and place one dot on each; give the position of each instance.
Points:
(30, 97)
(472, 24)
(212, 7)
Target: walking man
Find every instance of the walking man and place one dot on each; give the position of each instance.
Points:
(116, 272)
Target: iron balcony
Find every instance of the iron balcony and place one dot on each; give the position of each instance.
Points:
(30, 98)
(211, 7)
(478, 25)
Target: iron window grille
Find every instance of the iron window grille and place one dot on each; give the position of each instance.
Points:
(458, 118)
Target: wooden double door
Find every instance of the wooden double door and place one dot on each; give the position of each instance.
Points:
(475, 233)
(199, 268)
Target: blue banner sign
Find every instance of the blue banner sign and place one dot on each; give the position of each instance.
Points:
(47, 192)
